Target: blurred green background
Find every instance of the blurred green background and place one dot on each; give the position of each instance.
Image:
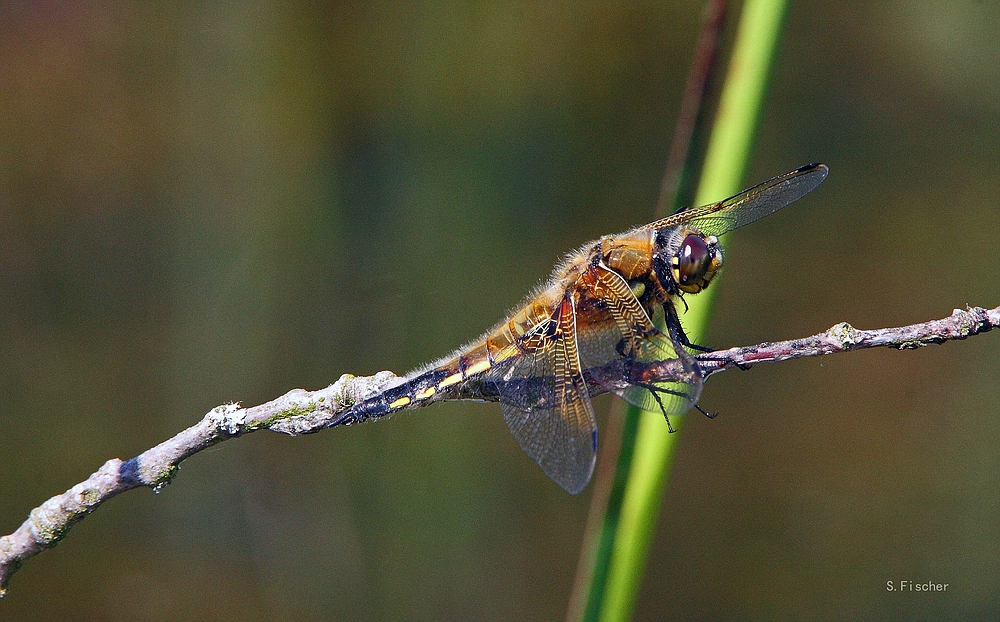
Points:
(204, 202)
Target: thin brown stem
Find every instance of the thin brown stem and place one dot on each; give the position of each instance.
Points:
(692, 105)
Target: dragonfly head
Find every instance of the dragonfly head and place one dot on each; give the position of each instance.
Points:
(693, 259)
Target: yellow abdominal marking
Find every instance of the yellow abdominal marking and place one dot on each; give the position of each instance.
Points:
(403, 401)
(479, 367)
(429, 391)
(450, 380)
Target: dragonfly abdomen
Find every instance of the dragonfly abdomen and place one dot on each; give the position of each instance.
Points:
(407, 394)
(445, 380)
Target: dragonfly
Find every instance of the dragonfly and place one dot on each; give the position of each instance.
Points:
(602, 307)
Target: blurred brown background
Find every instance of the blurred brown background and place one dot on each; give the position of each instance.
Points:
(211, 202)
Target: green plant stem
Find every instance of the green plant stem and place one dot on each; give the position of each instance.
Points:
(725, 166)
(614, 466)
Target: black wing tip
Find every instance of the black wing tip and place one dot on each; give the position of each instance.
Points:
(819, 167)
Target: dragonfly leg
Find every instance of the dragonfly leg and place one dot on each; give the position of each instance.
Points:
(652, 388)
(675, 328)
(656, 390)
(706, 413)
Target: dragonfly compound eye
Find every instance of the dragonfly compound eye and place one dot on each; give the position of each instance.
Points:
(695, 264)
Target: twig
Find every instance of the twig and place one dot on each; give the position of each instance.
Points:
(845, 338)
(296, 412)
(304, 412)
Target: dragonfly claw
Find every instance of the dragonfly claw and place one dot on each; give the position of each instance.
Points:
(706, 413)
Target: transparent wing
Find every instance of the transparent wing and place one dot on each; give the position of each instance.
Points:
(669, 398)
(620, 327)
(545, 401)
(750, 205)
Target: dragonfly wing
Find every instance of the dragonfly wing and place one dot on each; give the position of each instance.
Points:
(750, 205)
(545, 401)
(629, 332)
(672, 397)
